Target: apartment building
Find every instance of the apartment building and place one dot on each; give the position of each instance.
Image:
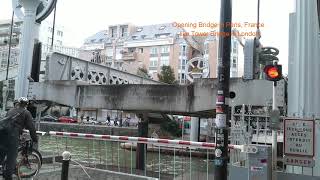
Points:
(128, 47)
(107, 48)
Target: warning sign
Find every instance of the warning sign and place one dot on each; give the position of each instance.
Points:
(299, 137)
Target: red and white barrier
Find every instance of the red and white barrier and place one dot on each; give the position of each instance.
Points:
(202, 145)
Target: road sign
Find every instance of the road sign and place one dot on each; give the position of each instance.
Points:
(299, 161)
(299, 137)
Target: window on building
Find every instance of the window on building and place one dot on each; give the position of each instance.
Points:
(154, 50)
(234, 62)
(153, 63)
(49, 40)
(60, 33)
(59, 42)
(165, 49)
(182, 78)
(134, 37)
(3, 63)
(139, 29)
(113, 32)
(109, 52)
(164, 61)
(124, 31)
(131, 50)
(183, 63)
(183, 50)
(141, 50)
(234, 47)
(50, 29)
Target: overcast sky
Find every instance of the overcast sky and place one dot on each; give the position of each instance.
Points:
(82, 18)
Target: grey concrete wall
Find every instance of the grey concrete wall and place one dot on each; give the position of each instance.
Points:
(90, 129)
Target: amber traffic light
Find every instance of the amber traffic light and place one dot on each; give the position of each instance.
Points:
(273, 72)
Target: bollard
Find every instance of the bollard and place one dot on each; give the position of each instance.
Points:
(66, 156)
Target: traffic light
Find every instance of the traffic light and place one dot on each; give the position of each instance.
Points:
(273, 72)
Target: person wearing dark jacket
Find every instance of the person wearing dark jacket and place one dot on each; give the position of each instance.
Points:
(10, 139)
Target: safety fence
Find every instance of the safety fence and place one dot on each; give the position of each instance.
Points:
(164, 158)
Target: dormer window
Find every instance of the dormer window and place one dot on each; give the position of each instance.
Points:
(164, 35)
(139, 29)
(162, 27)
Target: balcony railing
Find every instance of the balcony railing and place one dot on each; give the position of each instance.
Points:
(129, 56)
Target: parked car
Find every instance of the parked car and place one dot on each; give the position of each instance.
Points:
(49, 118)
(66, 119)
(91, 121)
(101, 121)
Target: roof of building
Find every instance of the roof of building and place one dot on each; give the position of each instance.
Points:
(154, 31)
(99, 37)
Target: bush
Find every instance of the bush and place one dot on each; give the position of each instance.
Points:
(172, 127)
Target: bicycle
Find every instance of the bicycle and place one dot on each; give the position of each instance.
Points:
(29, 160)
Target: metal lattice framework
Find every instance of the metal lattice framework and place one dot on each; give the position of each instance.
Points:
(64, 67)
(251, 124)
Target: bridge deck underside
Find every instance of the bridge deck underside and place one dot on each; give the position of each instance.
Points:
(196, 99)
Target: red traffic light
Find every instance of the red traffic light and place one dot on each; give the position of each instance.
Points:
(273, 72)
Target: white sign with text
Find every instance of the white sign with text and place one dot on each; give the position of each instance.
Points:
(299, 137)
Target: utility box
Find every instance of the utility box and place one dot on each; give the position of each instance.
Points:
(260, 165)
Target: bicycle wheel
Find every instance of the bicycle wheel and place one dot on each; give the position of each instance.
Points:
(28, 166)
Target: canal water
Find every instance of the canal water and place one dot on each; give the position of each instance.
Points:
(94, 152)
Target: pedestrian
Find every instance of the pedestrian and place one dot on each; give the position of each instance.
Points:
(81, 118)
(115, 122)
(18, 118)
(108, 120)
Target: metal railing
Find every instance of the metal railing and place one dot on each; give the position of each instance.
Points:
(164, 158)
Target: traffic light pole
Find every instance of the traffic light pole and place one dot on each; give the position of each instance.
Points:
(274, 135)
(222, 97)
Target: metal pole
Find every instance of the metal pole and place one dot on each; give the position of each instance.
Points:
(274, 135)
(182, 128)
(10, 42)
(66, 157)
(222, 97)
(142, 148)
(53, 25)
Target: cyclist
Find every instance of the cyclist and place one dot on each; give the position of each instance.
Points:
(10, 138)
